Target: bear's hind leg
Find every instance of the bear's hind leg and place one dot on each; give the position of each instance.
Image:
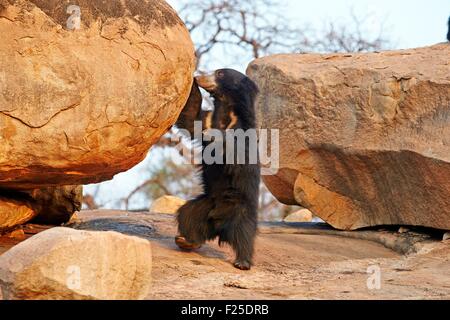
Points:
(193, 227)
(242, 239)
(236, 224)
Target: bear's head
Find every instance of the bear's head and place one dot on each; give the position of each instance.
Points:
(228, 83)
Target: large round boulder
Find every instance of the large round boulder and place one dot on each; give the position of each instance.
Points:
(56, 205)
(86, 87)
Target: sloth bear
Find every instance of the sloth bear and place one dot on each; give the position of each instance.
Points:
(227, 209)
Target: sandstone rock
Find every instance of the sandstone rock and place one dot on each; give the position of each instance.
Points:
(364, 138)
(53, 205)
(17, 234)
(73, 219)
(14, 213)
(56, 205)
(78, 106)
(63, 263)
(302, 215)
(167, 204)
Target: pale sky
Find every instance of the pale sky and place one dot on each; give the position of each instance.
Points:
(408, 23)
(405, 23)
(411, 23)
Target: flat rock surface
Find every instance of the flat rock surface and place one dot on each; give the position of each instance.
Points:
(293, 261)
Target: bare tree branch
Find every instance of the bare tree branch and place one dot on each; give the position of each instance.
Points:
(258, 28)
(142, 187)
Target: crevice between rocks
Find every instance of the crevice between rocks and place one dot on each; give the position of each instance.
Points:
(44, 124)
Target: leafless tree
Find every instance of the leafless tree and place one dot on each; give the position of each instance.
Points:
(353, 36)
(255, 28)
(90, 200)
(252, 26)
(169, 176)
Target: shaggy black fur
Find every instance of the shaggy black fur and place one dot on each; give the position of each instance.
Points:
(228, 207)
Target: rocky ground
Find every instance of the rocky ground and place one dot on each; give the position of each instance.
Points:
(293, 261)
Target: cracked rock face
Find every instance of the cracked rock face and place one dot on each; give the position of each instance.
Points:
(78, 106)
(364, 138)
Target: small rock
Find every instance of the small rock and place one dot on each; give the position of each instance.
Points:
(167, 204)
(403, 230)
(73, 219)
(303, 215)
(235, 284)
(53, 205)
(14, 213)
(63, 263)
(17, 234)
(446, 236)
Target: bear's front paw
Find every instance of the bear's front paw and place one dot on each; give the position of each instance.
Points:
(182, 243)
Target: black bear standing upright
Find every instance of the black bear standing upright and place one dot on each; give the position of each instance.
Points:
(228, 207)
